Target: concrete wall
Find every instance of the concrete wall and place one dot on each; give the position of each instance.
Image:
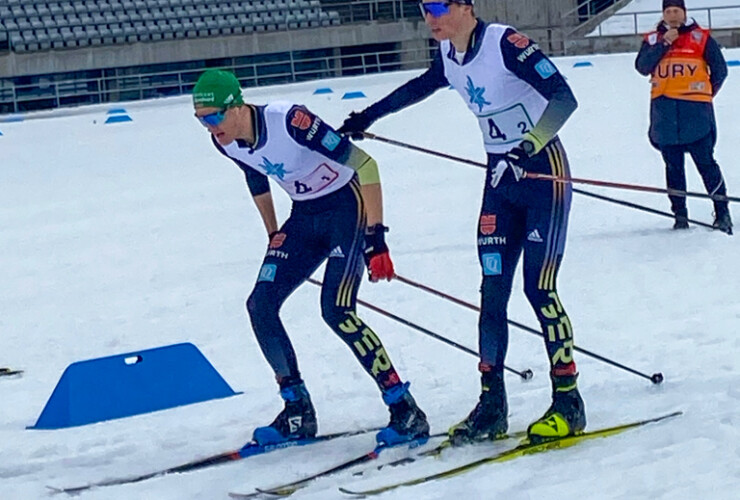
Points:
(135, 54)
(524, 14)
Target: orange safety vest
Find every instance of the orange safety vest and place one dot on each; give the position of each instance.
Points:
(683, 73)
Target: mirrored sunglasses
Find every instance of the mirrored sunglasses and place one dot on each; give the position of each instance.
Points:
(212, 119)
(435, 9)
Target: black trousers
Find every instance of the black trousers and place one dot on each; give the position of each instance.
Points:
(528, 217)
(702, 152)
(329, 228)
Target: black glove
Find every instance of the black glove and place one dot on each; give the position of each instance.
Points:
(510, 168)
(355, 125)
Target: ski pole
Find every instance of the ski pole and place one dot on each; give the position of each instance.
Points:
(633, 187)
(655, 378)
(420, 149)
(554, 178)
(637, 207)
(525, 374)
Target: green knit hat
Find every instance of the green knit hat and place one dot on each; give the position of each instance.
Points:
(217, 88)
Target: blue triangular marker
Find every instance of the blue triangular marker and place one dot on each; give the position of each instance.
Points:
(324, 90)
(116, 111)
(118, 119)
(353, 95)
(582, 64)
(129, 384)
(733, 63)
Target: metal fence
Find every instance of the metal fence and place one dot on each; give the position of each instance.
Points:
(373, 10)
(282, 68)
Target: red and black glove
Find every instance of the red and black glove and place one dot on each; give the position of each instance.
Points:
(377, 258)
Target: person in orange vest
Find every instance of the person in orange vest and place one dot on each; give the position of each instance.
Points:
(687, 70)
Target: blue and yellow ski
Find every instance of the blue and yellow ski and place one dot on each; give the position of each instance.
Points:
(524, 448)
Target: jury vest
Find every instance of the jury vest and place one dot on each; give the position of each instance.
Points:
(683, 73)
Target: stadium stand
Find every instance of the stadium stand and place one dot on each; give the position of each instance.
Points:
(33, 25)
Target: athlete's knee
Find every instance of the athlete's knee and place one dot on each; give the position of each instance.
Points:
(260, 303)
(494, 302)
(674, 167)
(535, 295)
(495, 293)
(333, 314)
(545, 301)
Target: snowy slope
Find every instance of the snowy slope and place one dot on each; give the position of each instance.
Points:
(116, 238)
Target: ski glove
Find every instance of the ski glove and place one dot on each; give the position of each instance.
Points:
(355, 125)
(510, 168)
(377, 258)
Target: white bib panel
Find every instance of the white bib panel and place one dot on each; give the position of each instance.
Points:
(303, 174)
(506, 106)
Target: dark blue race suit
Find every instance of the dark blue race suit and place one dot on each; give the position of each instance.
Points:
(328, 228)
(529, 216)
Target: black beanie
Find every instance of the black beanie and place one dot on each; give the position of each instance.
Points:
(674, 3)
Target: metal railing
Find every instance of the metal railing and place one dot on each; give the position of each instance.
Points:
(373, 10)
(131, 87)
(634, 23)
(349, 13)
(586, 9)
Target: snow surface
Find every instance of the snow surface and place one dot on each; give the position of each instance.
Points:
(641, 16)
(117, 238)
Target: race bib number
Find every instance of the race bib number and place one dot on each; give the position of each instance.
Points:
(507, 126)
(315, 182)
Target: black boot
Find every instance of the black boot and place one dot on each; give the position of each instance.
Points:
(566, 415)
(723, 222)
(682, 219)
(489, 418)
(296, 421)
(407, 422)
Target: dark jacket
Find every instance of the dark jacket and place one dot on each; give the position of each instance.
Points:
(674, 121)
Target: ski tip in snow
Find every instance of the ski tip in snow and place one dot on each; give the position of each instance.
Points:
(351, 493)
(9, 372)
(276, 493)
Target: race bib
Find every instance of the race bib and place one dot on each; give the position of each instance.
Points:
(316, 181)
(507, 126)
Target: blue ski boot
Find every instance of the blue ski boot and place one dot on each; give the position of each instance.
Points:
(296, 421)
(407, 422)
